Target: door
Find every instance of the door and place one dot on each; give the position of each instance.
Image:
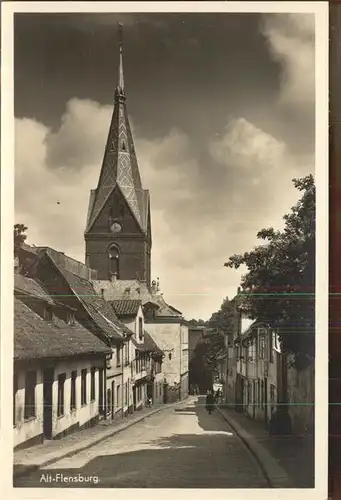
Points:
(48, 376)
(108, 403)
(134, 397)
(112, 399)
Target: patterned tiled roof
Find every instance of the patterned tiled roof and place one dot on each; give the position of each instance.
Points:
(120, 168)
(98, 308)
(126, 307)
(35, 338)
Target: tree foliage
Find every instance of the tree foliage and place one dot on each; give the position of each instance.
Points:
(279, 284)
(19, 236)
(197, 322)
(222, 320)
(212, 350)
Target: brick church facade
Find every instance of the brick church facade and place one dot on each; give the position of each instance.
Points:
(118, 229)
(118, 245)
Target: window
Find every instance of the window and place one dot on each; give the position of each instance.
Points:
(126, 354)
(118, 354)
(125, 394)
(113, 256)
(73, 390)
(261, 346)
(48, 314)
(271, 347)
(118, 396)
(15, 390)
(141, 328)
(61, 383)
(93, 387)
(30, 394)
(262, 395)
(83, 386)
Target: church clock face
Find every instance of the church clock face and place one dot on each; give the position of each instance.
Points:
(116, 227)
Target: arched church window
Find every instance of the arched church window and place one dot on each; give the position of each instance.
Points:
(124, 146)
(114, 261)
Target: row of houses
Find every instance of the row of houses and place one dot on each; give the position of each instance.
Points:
(259, 377)
(86, 350)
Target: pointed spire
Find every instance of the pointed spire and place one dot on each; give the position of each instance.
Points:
(120, 70)
(120, 167)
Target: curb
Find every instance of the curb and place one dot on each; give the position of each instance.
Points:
(29, 469)
(274, 473)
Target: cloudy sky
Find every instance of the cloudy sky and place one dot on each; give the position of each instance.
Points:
(222, 108)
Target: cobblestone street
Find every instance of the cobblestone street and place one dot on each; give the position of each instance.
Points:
(181, 447)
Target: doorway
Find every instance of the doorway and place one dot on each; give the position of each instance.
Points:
(134, 397)
(48, 376)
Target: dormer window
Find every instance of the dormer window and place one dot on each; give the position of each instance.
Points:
(48, 314)
(70, 318)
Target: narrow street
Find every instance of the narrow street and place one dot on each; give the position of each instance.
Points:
(182, 447)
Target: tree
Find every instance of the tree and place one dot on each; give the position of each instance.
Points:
(19, 236)
(197, 322)
(222, 320)
(279, 287)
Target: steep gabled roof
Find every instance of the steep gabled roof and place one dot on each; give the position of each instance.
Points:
(100, 311)
(35, 338)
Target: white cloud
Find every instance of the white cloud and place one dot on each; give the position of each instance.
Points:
(291, 42)
(201, 214)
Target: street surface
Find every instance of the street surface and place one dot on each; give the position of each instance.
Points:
(182, 447)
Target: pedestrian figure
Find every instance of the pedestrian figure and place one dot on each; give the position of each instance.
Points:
(218, 396)
(209, 402)
(149, 402)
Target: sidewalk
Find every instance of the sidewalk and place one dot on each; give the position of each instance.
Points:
(288, 462)
(27, 460)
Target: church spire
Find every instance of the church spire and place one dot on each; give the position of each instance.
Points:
(120, 68)
(120, 168)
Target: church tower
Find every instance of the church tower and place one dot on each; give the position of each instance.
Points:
(118, 228)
